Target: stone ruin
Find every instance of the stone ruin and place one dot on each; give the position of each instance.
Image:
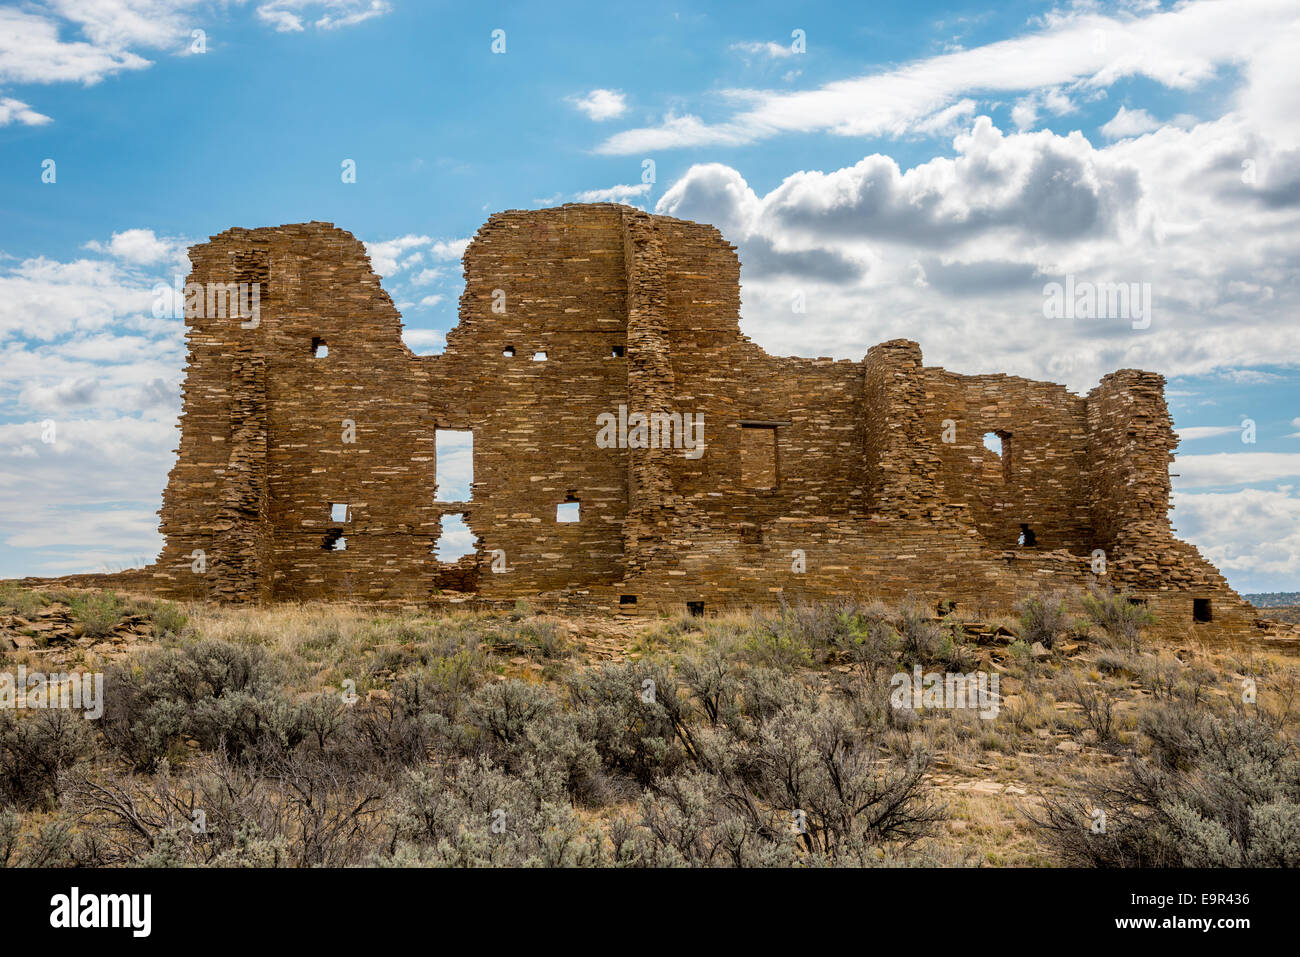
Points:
(306, 475)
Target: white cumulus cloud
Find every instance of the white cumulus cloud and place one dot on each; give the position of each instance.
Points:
(601, 104)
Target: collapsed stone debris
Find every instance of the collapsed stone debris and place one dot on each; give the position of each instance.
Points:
(817, 478)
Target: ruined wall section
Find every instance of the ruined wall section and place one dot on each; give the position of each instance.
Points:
(901, 448)
(847, 431)
(654, 509)
(571, 313)
(780, 467)
(274, 434)
(351, 427)
(1037, 484)
(549, 282)
(243, 539)
(1131, 446)
(807, 410)
(214, 513)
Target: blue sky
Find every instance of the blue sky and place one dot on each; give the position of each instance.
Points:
(917, 170)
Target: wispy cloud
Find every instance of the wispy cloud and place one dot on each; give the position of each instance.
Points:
(292, 16)
(1079, 49)
(75, 41)
(1192, 433)
(1235, 468)
(777, 51)
(16, 111)
(614, 194)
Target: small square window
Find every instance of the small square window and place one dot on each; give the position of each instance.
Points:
(319, 350)
(539, 356)
(339, 512)
(695, 608)
(508, 352)
(568, 511)
(618, 352)
(1202, 610)
(334, 541)
(627, 599)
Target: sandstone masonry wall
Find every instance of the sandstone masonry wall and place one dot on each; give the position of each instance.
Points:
(817, 478)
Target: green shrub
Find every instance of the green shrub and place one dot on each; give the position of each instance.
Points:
(807, 786)
(773, 646)
(1120, 617)
(712, 679)
(222, 695)
(799, 635)
(1043, 618)
(34, 750)
(921, 641)
(537, 638)
(403, 727)
(476, 815)
(635, 716)
(98, 612)
(1218, 790)
(23, 601)
(527, 732)
(167, 619)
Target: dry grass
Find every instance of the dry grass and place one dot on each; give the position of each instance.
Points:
(1074, 708)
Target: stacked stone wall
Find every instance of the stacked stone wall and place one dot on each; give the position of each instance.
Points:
(816, 478)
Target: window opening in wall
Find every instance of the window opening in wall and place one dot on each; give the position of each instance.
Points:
(508, 352)
(539, 356)
(1027, 537)
(695, 608)
(618, 352)
(334, 541)
(455, 539)
(758, 463)
(1202, 610)
(627, 599)
(319, 350)
(570, 510)
(999, 443)
(339, 512)
(454, 464)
